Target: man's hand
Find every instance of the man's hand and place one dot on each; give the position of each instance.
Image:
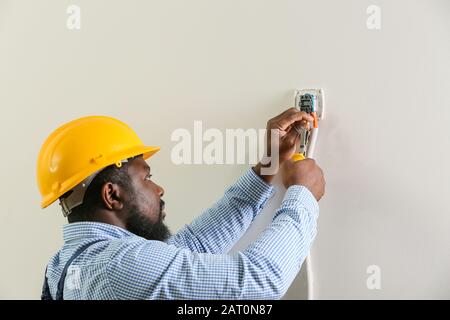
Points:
(305, 173)
(287, 137)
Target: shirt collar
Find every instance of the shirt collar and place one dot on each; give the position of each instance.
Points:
(89, 230)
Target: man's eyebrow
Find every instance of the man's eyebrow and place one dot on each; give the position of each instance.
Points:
(146, 167)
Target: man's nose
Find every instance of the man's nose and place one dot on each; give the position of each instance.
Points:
(160, 190)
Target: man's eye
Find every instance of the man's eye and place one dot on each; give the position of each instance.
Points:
(148, 177)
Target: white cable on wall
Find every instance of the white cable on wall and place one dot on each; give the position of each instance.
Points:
(309, 270)
(320, 99)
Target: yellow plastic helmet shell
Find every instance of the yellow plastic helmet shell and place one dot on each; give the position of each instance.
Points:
(81, 147)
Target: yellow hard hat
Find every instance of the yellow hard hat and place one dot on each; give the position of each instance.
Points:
(82, 147)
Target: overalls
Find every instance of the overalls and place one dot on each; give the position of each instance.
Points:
(60, 291)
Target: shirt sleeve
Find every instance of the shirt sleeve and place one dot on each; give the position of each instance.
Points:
(157, 270)
(221, 226)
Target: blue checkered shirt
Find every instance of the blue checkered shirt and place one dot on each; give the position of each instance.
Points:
(193, 263)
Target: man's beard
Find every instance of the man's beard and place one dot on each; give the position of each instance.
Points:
(140, 225)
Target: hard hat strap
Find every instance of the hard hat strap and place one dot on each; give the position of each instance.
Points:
(76, 196)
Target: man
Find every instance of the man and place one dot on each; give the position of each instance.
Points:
(116, 245)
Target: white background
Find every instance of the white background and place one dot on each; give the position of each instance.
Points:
(160, 65)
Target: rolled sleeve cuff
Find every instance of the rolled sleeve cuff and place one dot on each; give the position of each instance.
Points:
(254, 187)
(300, 196)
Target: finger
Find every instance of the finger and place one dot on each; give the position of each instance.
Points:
(304, 124)
(288, 120)
(297, 129)
(296, 141)
(301, 125)
(285, 113)
(291, 137)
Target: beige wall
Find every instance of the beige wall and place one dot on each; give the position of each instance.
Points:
(160, 65)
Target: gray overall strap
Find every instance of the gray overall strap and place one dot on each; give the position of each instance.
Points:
(45, 289)
(60, 291)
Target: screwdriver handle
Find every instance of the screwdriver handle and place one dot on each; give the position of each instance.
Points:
(298, 157)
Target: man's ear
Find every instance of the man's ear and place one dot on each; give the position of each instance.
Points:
(112, 196)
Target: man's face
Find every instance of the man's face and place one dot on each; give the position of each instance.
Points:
(144, 204)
